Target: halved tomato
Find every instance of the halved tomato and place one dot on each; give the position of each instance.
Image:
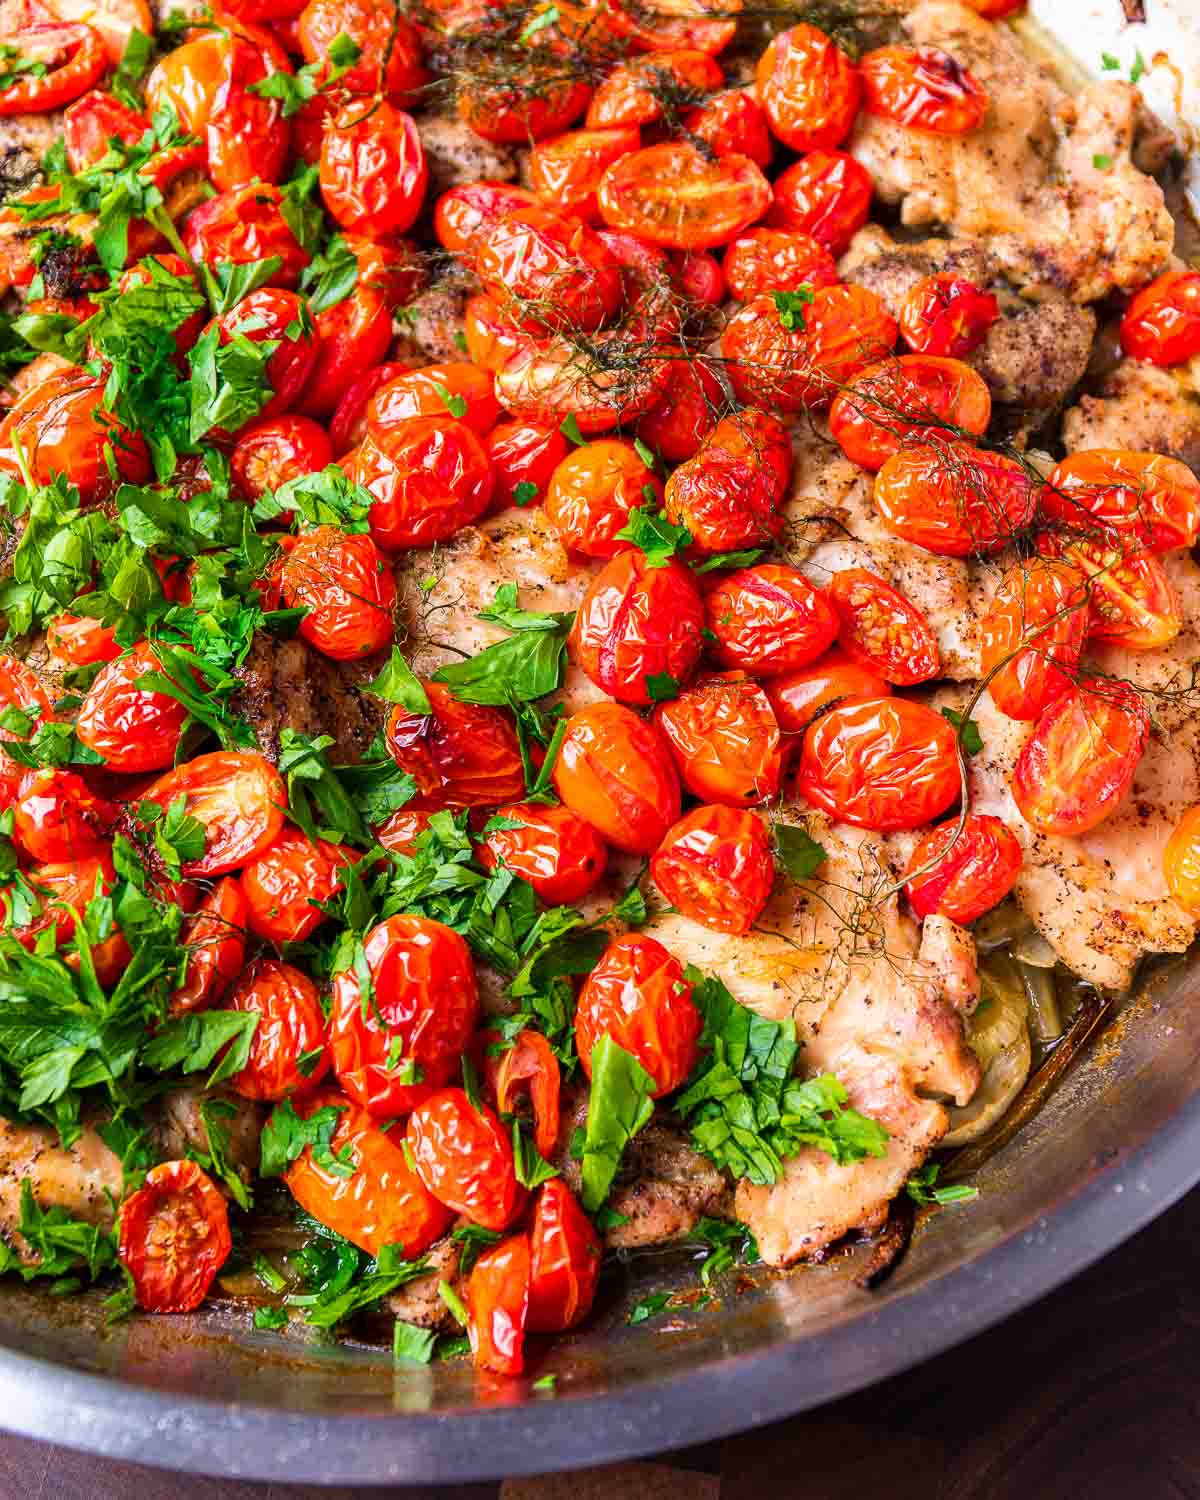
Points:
(960, 872)
(675, 196)
(1131, 600)
(1033, 635)
(1152, 497)
(892, 403)
(881, 629)
(953, 498)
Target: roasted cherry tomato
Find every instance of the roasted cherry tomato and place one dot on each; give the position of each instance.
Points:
(92, 122)
(637, 995)
(662, 25)
(892, 403)
(396, 1048)
(63, 890)
(776, 260)
(545, 103)
(349, 424)
(1131, 600)
(560, 855)
(528, 1061)
(467, 211)
(400, 832)
(134, 728)
(81, 641)
(1033, 634)
(716, 867)
(19, 689)
(115, 20)
(1181, 861)
(809, 89)
(242, 227)
(638, 627)
(724, 738)
(880, 763)
(1162, 322)
(62, 427)
(270, 453)
(701, 278)
(549, 271)
(373, 169)
(1082, 756)
(491, 335)
(173, 1237)
(687, 413)
(565, 171)
(291, 1027)
(732, 124)
(827, 194)
(564, 1260)
(676, 196)
(730, 495)
(946, 315)
(882, 630)
(955, 499)
(545, 382)
(344, 582)
(768, 619)
(524, 454)
(352, 335)
(617, 773)
(383, 1202)
(214, 940)
(1147, 495)
(923, 88)
(429, 477)
(67, 60)
(389, 47)
(280, 317)
(455, 389)
(973, 868)
(459, 754)
(634, 91)
(57, 817)
(592, 492)
(498, 1306)
(464, 1157)
(236, 795)
(283, 885)
(798, 697)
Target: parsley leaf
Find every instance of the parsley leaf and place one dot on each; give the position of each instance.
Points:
(326, 498)
(921, 1187)
(790, 306)
(744, 559)
(620, 1104)
(649, 1307)
(229, 381)
(526, 666)
(286, 1134)
(133, 67)
(657, 536)
(969, 736)
(474, 1239)
(799, 853)
(661, 686)
(531, 1167)
(192, 1042)
(330, 276)
(413, 1343)
(344, 1280)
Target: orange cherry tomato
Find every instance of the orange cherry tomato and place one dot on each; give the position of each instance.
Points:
(724, 739)
(58, 817)
(92, 122)
(637, 995)
(548, 381)
(72, 57)
(776, 260)
(1131, 600)
(827, 194)
(523, 454)
(923, 88)
(686, 415)
(384, 1202)
(116, 21)
(291, 1023)
(974, 868)
(716, 867)
(560, 855)
(674, 195)
(1081, 758)
(464, 1157)
(283, 884)
(353, 335)
(549, 271)
(565, 171)
(344, 582)
(498, 1306)
(892, 403)
(809, 89)
(465, 212)
(845, 328)
(349, 424)
(1162, 323)
(732, 124)
(1033, 634)
(882, 630)
(268, 454)
(592, 492)
(547, 101)
(946, 315)
(880, 763)
(954, 499)
(528, 1061)
(133, 728)
(215, 942)
(798, 697)
(617, 773)
(237, 795)
(1181, 860)
(1152, 497)
(62, 427)
(769, 619)
(429, 477)
(663, 25)
(282, 317)
(173, 1237)
(634, 92)
(638, 623)
(81, 641)
(436, 391)
(564, 1260)
(731, 493)
(459, 754)
(400, 832)
(19, 688)
(244, 226)
(388, 43)
(373, 168)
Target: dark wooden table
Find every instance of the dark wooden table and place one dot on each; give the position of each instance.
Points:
(1093, 1394)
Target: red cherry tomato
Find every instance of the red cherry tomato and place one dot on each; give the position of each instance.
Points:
(548, 382)
(523, 454)
(459, 754)
(616, 772)
(549, 271)
(467, 211)
(560, 855)
(724, 739)
(565, 171)
(880, 763)
(91, 123)
(592, 492)
(947, 315)
(80, 641)
(716, 867)
(62, 427)
(58, 817)
(768, 619)
(429, 477)
(498, 1306)
(344, 582)
(547, 101)
(243, 226)
(1152, 497)
(373, 168)
(701, 278)
(686, 415)
(291, 1024)
(674, 195)
(826, 194)
(776, 260)
(20, 689)
(173, 1237)
(237, 795)
(463, 1156)
(633, 93)
(349, 424)
(973, 868)
(731, 493)
(889, 404)
(133, 728)
(809, 89)
(661, 25)
(215, 942)
(270, 453)
(492, 337)
(564, 1260)
(954, 499)
(732, 124)
(1162, 322)
(401, 831)
(282, 317)
(528, 1061)
(436, 391)
(923, 88)
(353, 335)
(389, 47)
(1033, 634)
(1131, 600)
(72, 58)
(284, 883)
(798, 697)
(882, 630)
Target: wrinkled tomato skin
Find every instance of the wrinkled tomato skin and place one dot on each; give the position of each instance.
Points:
(92, 121)
(416, 393)
(498, 1306)
(62, 427)
(923, 88)
(730, 495)
(373, 168)
(732, 124)
(549, 271)
(173, 1237)
(673, 195)
(976, 867)
(243, 226)
(687, 414)
(58, 817)
(635, 623)
(464, 213)
(19, 688)
(1149, 496)
(947, 316)
(541, 381)
(282, 883)
(882, 630)
(425, 997)
(237, 795)
(565, 171)
(271, 313)
(1162, 323)
(429, 477)
(616, 772)
(400, 832)
(768, 619)
(560, 855)
(389, 47)
(65, 888)
(491, 336)
(808, 88)
(954, 499)
(881, 409)
(215, 942)
(1131, 599)
(827, 194)
(592, 492)
(464, 1157)
(716, 867)
(516, 117)
(1033, 634)
(268, 454)
(344, 582)
(632, 93)
(663, 25)
(524, 453)
(528, 1061)
(80, 640)
(133, 728)
(349, 424)
(776, 260)
(384, 1202)
(459, 754)
(637, 995)
(880, 763)
(1081, 759)
(352, 335)
(1181, 861)
(290, 1023)
(798, 697)
(564, 1260)
(724, 739)
(701, 279)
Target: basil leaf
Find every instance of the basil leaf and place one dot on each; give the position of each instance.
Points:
(620, 1104)
(799, 853)
(398, 683)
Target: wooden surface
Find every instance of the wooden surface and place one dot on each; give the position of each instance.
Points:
(1093, 1394)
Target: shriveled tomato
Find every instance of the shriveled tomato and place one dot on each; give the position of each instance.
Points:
(1162, 323)
(1082, 757)
(1146, 495)
(491, 334)
(1131, 599)
(826, 194)
(955, 499)
(880, 763)
(244, 226)
(592, 492)
(947, 315)
(549, 271)
(400, 832)
(524, 454)
(687, 413)
(383, 1202)
(373, 168)
(730, 494)
(716, 867)
(80, 640)
(638, 627)
(561, 856)
(882, 630)
(281, 317)
(637, 995)
(768, 619)
(973, 868)
(284, 883)
(550, 381)
(798, 697)
(239, 798)
(1181, 860)
(67, 60)
(646, 269)
(92, 122)
(809, 89)
(661, 25)
(290, 1030)
(63, 890)
(214, 940)
(134, 728)
(923, 88)
(732, 124)
(547, 101)
(724, 739)
(395, 1049)
(464, 1157)
(564, 1260)
(344, 582)
(389, 47)
(269, 453)
(459, 754)
(173, 1237)
(528, 1062)
(1033, 634)
(62, 426)
(353, 335)
(565, 171)
(894, 402)
(676, 196)
(785, 361)
(454, 388)
(349, 424)
(429, 477)
(616, 772)
(635, 91)
(57, 816)
(19, 689)
(468, 210)
(776, 260)
(498, 1306)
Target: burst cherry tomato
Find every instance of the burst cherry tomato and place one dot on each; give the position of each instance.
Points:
(237, 795)
(880, 763)
(454, 389)
(465, 212)
(769, 619)
(673, 195)
(373, 168)
(400, 832)
(946, 315)
(242, 227)
(616, 772)
(62, 427)
(281, 317)
(809, 89)
(290, 1025)
(343, 581)
(528, 1061)
(564, 1260)
(954, 499)
(776, 260)
(593, 491)
(1162, 323)
(81, 641)
(716, 867)
(974, 868)
(687, 413)
(827, 194)
(349, 424)
(560, 855)
(353, 335)
(882, 630)
(463, 1156)
(549, 271)
(892, 403)
(173, 1237)
(270, 453)
(731, 493)
(284, 883)
(429, 477)
(133, 728)
(1131, 600)
(498, 1306)
(68, 60)
(1181, 861)
(214, 940)
(545, 381)
(389, 47)
(732, 124)
(1033, 634)
(662, 25)
(724, 739)
(798, 697)
(565, 171)
(1152, 497)
(92, 122)
(58, 817)
(524, 454)
(459, 754)
(637, 995)
(491, 335)
(923, 88)
(545, 104)
(633, 93)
